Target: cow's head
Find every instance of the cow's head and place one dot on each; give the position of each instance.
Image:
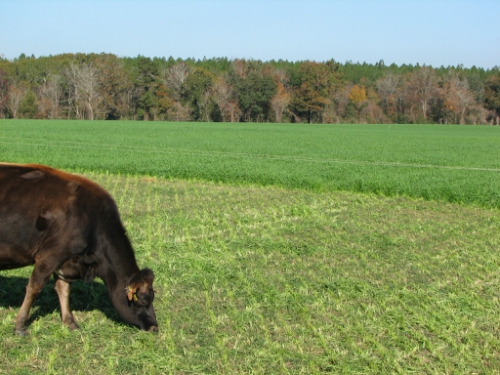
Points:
(140, 296)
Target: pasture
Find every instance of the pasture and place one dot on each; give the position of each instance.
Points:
(459, 164)
(317, 252)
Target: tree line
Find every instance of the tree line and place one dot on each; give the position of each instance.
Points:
(104, 86)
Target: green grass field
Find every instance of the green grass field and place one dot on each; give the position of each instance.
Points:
(296, 278)
(459, 164)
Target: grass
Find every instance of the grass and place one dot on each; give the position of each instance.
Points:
(287, 249)
(260, 280)
(459, 164)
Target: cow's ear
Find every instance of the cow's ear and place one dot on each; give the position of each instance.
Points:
(148, 276)
(141, 282)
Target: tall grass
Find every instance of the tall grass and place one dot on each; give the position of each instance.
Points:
(458, 164)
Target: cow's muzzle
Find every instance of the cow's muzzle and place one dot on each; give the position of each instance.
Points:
(152, 329)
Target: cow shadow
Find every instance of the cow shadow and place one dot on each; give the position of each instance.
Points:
(84, 297)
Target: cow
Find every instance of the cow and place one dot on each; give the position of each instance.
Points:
(69, 227)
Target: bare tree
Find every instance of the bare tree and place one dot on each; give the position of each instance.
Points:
(423, 84)
(458, 96)
(83, 80)
(387, 89)
(222, 93)
(175, 76)
(72, 81)
(89, 82)
(281, 76)
(15, 97)
(50, 93)
(4, 91)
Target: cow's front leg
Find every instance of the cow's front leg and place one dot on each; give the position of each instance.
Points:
(35, 285)
(63, 289)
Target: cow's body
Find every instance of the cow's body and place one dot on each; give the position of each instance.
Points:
(69, 226)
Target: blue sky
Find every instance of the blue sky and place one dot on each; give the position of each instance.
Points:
(431, 32)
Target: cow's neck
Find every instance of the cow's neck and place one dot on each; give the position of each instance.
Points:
(119, 266)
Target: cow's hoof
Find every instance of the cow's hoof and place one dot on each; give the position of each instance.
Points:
(21, 332)
(73, 326)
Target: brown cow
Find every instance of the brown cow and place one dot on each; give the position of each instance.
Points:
(69, 227)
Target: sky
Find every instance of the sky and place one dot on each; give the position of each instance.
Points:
(430, 32)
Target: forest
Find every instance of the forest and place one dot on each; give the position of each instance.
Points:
(105, 86)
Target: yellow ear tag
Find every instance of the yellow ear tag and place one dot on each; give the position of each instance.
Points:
(130, 294)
